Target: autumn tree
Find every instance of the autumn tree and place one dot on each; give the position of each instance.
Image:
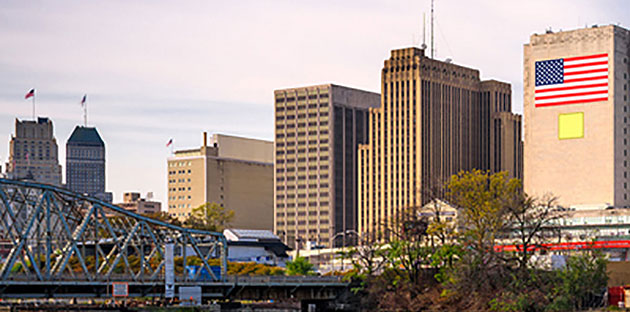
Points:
(163, 216)
(210, 217)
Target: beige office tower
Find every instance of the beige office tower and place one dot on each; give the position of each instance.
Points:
(576, 116)
(33, 152)
(436, 119)
(234, 172)
(318, 130)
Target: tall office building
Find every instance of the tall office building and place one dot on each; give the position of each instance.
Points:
(33, 152)
(234, 172)
(85, 162)
(577, 116)
(318, 130)
(436, 119)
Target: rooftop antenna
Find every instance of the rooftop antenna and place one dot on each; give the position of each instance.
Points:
(432, 44)
(424, 31)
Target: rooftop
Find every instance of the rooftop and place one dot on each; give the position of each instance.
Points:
(85, 136)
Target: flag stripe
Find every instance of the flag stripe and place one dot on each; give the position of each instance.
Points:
(571, 91)
(581, 79)
(585, 61)
(564, 95)
(568, 59)
(583, 82)
(581, 86)
(572, 98)
(574, 65)
(599, 70)
(572, 102)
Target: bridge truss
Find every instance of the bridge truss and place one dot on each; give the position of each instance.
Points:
(49, 235)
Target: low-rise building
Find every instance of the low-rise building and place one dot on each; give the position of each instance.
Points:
(260, 246)
(134, 203)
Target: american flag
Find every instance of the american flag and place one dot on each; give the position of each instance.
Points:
(571, 80)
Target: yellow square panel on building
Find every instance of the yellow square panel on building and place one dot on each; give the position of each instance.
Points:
(571, 126)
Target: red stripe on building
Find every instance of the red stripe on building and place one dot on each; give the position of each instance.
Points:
(586, 64)
(604, 84)
(577, 58)
(585, 79)
(570, 95)
(572, 102)
(586, 72)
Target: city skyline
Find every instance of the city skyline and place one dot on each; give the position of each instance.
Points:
(140, 65)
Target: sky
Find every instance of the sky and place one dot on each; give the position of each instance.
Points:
(155, 70)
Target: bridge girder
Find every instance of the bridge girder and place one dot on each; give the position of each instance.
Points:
(58, 235)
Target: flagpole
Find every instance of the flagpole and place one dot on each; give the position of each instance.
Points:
(85, 114)
(33, 106)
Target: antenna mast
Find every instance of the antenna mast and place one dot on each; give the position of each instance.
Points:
(424, 29)
(432, 45)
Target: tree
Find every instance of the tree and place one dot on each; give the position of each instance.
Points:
(163, 216)
(581, 283)
(299, 266)
(481, 197)
(531, 222)
(210, 217)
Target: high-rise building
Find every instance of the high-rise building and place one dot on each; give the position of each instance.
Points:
(318, 130)
(234, 172)
(85, 162)
(576, 105)
(436, 119)
(33, 152)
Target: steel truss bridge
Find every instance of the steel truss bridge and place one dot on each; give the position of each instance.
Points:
(57, 243)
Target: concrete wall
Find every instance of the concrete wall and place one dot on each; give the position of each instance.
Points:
(583, 171)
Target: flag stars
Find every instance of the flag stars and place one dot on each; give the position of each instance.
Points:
(549, 72)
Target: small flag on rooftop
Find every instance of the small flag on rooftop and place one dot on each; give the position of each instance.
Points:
(83, 100)
(30, 94)
(169, 143)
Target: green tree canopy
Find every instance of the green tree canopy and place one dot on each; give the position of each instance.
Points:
(299, 266)
(210, 217)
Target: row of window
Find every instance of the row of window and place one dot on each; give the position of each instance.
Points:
(301, 107)
(179, 163)
(323, 204)
(302, 222)
(175, 189)
(178, 180)
(302, 116)
(183, 197)
(302, 150)
(299, 143)
(179, 172)
(178, 214)
(301, 97)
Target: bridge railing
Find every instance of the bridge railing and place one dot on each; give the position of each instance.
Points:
(282, 279)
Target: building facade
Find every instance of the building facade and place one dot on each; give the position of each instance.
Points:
(134, 203)
(33, 152)
(576, 116)
(318, 130)
(85, 162)
(435, 119)
(234, 172)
